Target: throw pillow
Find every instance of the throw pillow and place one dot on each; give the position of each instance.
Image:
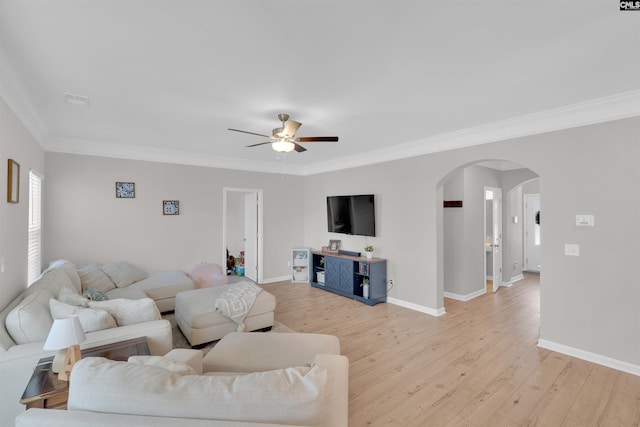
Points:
(90, 319)
(122, 274)
(68, 296)
(70, 270)
(163, 362)
(94, 295)
(30, 320)
(92, 277)
(129, 311)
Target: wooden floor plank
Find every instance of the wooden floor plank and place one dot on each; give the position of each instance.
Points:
(477, 365)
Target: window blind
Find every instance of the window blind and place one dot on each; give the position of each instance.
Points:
(34, 252)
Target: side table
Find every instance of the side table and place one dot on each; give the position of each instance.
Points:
(45, 390)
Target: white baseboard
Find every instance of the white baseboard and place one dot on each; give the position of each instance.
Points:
(517, 278)
(467, 297)
(276, 279)
(421, 308)
(590, 357)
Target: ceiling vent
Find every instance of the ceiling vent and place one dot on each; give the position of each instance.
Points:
(76, 99)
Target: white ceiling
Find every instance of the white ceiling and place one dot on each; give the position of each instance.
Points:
(390, 78)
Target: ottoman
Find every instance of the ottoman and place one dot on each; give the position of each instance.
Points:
(198, 320)
(256, 352)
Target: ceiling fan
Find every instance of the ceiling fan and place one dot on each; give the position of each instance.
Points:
(283, 139)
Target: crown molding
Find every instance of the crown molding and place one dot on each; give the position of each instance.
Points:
(600, 110)
(160, 155)
(15, 99)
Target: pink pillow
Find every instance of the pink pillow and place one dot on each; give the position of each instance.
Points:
(207, 274)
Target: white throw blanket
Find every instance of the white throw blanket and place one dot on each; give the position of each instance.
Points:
(236, 302)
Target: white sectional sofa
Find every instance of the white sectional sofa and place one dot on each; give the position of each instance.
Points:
(265, 389)
(27, 319)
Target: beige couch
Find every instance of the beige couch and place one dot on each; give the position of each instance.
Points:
(312, 393)
(25, 325)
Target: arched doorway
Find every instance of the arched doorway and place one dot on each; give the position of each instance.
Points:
(463, 267)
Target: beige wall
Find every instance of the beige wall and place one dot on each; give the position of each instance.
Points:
(588, 302)
(18, 144)
(86, 223)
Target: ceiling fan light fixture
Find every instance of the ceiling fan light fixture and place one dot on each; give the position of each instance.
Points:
(283, 146)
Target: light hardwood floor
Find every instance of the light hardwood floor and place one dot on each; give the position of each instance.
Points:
(478, 365)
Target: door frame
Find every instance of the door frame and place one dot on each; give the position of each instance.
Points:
(526, 198)
(259, 192)
(496, 223)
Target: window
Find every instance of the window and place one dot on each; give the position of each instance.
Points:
(34, 254)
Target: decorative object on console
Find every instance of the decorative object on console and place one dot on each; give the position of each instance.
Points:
(365, 288)
(13, 181)
(171, 207)
(334, 246)
(350, 253)
(368, 251)
(125, 190)
(65, 335)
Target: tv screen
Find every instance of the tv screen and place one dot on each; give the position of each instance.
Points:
(351, 215)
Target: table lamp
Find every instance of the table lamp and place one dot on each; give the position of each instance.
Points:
(65, 335)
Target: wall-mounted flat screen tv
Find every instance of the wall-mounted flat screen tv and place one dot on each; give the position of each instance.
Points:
(351, 215)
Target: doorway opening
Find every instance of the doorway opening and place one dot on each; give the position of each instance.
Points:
(493, 238)
(482, 240)
(532, 241)
(242, 227)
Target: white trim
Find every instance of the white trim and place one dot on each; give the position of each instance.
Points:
(15, 99)
(515, 279)
(590, 357)
(600, 110)
(421, 308)
(467, 297)
(163, 155)
(275, 279)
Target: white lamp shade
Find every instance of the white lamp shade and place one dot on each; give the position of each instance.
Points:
(64, 333)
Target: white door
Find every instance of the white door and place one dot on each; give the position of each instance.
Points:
(497, 237)
(532, 232)
(251, 236)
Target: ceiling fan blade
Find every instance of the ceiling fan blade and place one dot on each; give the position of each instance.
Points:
(291, 128)
(250, 133)
(260, 143)
(317, 138)
(299, 148)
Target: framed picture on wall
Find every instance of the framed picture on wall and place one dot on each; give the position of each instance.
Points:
(125, 190)
(13, 181)
(171, 207)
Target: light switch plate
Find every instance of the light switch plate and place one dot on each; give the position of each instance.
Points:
(585, 220)
(571, 249)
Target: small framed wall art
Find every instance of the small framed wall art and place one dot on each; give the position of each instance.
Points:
(13, 181)
(171, 207)
(125, 190)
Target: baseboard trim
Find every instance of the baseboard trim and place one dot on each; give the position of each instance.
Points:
(590, 357)
(277, 279)
(421, 308)
(517, 278)
(467, 297)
